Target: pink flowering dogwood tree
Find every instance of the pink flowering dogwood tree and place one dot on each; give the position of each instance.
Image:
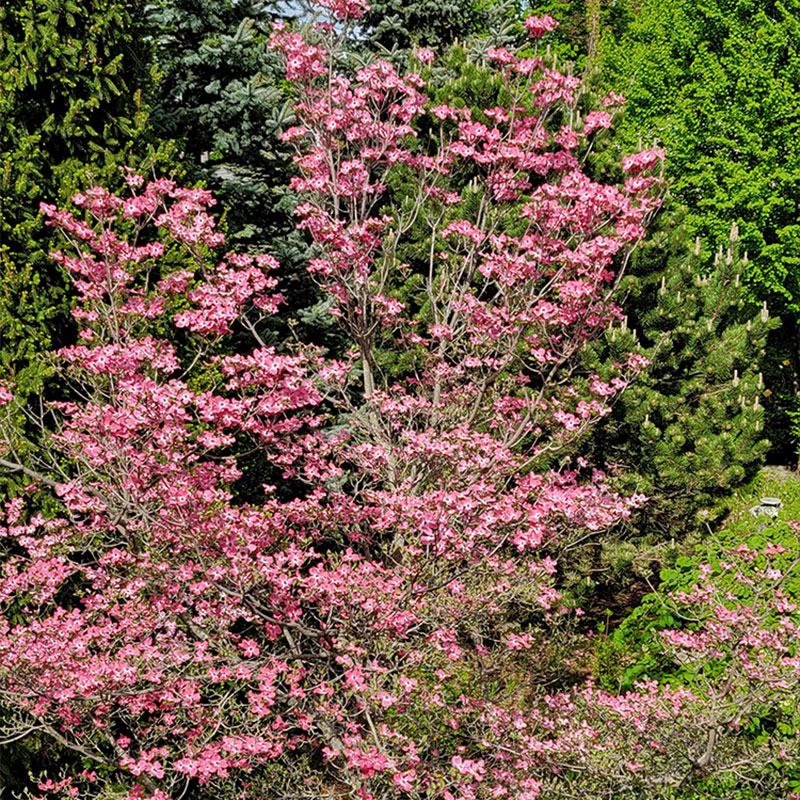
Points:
(361, 630)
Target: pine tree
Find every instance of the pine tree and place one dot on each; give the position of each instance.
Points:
(220, 94)
(690, 431)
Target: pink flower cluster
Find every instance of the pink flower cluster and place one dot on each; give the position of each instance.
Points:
(539, 26)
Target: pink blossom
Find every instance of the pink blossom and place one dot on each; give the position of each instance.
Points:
(538, 26)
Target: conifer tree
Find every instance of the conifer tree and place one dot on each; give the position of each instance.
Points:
(75, 79)
(428, 23)
(222, 94)
(690, 431)
(219, 94)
